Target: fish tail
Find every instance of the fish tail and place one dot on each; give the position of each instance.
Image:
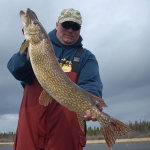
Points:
(111, 128)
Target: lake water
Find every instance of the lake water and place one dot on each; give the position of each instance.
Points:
(122, 146)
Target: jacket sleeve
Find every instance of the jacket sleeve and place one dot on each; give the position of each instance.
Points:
(89, 77)
(21, 68)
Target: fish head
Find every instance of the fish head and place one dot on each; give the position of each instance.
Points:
(33, 29)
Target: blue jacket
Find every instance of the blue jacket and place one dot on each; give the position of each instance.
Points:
(88, 71)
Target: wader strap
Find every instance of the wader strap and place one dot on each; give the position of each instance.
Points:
(76, 60)
(75, 64)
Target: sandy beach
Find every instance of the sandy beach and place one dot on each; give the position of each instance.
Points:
(6, 143)
(102, 141)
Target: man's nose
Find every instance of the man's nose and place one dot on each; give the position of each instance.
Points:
(70, 29)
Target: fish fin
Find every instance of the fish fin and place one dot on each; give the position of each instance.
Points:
(111, 128)
(45, 98)
(23, 48)
(81, 122)
(100, 100)
(28, 57)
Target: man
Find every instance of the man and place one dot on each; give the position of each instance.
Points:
(54, 127)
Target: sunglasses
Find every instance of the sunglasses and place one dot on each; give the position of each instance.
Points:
(67, 25)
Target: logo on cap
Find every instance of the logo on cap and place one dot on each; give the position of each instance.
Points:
(70, 15)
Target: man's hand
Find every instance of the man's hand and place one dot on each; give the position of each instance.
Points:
(88, 116)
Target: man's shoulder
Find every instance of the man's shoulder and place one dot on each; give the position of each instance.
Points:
(87, 53)
(51, 34)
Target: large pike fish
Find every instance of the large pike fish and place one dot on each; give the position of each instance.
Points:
(57, 85)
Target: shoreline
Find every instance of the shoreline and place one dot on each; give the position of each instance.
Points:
(134, 140)
(101, 141)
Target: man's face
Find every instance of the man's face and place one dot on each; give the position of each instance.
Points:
(67, 36)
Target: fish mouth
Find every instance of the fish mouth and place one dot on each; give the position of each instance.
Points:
(31, 14)
(29, 17)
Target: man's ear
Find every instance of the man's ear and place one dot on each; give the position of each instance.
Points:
(57, 25)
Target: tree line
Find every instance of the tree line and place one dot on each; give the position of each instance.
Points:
(7, 137)
(141, 127)
(138, 129)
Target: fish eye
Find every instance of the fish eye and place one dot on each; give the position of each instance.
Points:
(35, 22)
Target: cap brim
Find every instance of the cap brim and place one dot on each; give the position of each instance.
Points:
(70, 19)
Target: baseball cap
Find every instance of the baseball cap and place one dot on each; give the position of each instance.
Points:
(70, 14)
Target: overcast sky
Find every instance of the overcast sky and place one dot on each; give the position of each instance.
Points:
(117, 32)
